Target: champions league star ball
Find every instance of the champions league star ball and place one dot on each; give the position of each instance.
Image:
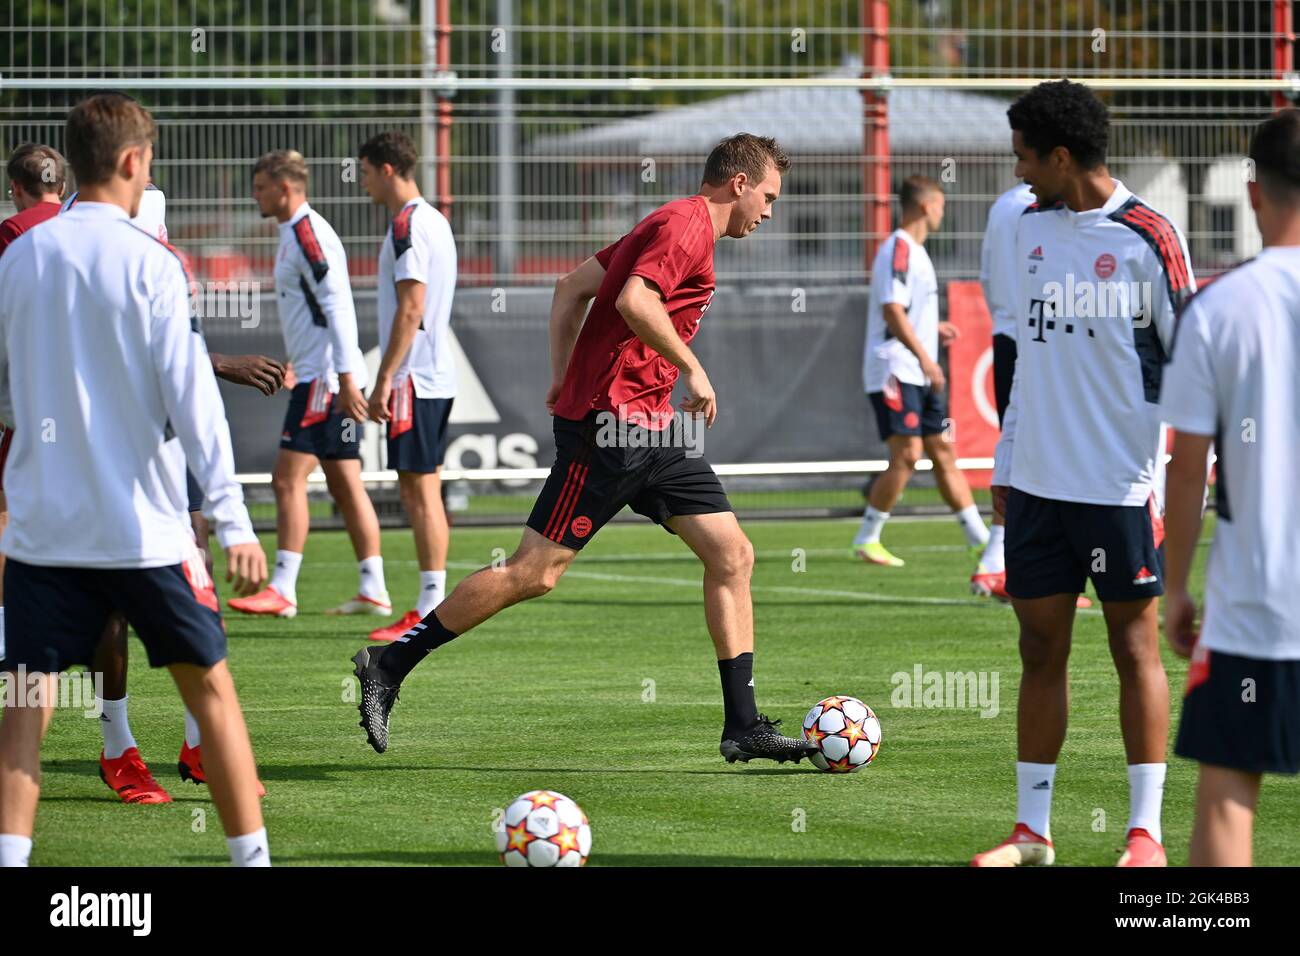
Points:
(544, 828)
(846, 732)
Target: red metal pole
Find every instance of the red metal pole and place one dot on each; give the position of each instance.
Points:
(445, 198)
(875, 133)
(1283, 48)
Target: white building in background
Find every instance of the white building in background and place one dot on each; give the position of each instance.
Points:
(621, 169)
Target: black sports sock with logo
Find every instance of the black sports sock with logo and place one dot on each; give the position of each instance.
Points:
(739, 710)
(414, 646)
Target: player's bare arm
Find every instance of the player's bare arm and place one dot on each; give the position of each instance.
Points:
(256, 371)
(573, 293)
(410, 311)
(900, 327)
(1184, 494)
(642, 306)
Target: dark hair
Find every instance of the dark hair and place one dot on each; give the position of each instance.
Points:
(744, 153)
(1275, 150)
(1066, 114)
(100, 127)
(915, 189)
(393, 147)
(38, 168)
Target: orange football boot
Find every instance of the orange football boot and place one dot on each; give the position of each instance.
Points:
(190, 766)
(128, 776)
(267, 601)
(393, 631)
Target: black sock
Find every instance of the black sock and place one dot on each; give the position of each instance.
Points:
(739, 710)
(403, 654)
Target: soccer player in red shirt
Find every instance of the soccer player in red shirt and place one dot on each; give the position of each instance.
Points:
(619, 443)
(37, 176)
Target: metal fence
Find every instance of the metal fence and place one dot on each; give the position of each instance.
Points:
(553, 145)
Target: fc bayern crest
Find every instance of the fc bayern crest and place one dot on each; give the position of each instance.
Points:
(1104, 266)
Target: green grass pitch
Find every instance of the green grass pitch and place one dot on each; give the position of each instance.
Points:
(606, 690)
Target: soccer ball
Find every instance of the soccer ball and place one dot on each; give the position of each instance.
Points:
(846, 732)
(544, 828)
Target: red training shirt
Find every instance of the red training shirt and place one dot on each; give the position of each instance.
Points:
(610, 367)
(11, 229)
(17, 224)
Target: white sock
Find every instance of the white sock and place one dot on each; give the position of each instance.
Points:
(1034, 782)
(371, 570)
(2, 633)
(873, 522)
(116, 728)
(433, 588)
(192, 736)
(14, 850)
(993, 560)
(250, 849)
(969, 518)
(1146, 789)
(285, 576)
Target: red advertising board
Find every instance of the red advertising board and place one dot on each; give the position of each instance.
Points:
(970, 377)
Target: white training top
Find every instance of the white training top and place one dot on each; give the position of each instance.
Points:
(1097, 293)
(901, 273)
(101, 368)
(317, 317)
(420, 246)
(1234, 376)
(998, 256)
(151, 216)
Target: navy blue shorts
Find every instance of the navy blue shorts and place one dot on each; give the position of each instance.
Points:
(594, 478)
(417, 430)
(54, 617)
(903, 409)
(1242, 713)
(1054, 547)
(312, 427)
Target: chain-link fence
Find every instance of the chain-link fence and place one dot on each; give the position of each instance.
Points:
(549, 128)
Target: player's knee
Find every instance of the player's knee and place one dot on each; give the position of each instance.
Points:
(734, 561)
(908, 457)
(283, 485)
(1132, 654)
(537, 578)
(1041, 652)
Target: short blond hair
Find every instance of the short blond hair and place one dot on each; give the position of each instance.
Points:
(282, 164)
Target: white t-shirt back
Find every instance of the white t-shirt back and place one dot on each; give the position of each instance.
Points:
(1235, 374)
(901, 273)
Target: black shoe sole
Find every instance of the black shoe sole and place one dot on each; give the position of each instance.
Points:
(186, 774)
(731, 750)
(362, 661)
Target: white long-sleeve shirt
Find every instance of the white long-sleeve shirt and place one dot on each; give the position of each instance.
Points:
(101, 371)
(998, 257)
(1097, 296)
(317, 317)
